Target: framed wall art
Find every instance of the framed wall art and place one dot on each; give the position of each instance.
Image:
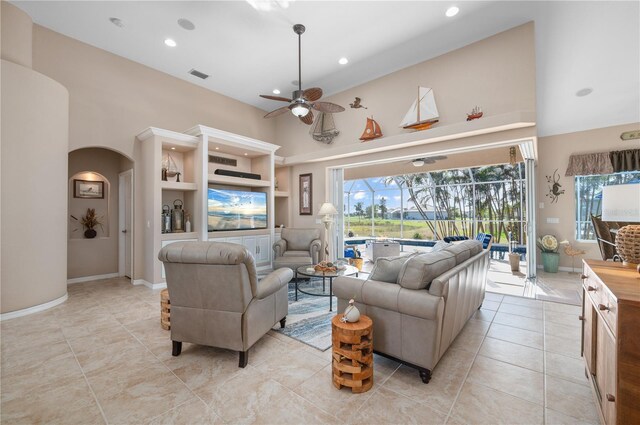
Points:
(306, 194)
(88, 189)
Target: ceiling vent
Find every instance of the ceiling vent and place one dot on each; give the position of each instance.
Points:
(198, 74)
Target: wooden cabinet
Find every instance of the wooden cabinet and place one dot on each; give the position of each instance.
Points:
(611, 339)
(259, 246)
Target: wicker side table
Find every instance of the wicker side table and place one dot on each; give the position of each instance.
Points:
(165, 310)
(352, 349)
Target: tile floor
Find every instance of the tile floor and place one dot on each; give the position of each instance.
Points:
(101, 357)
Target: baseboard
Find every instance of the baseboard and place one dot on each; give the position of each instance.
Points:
(90, 278)
(149, 284)
(34, 309)
(563, 269)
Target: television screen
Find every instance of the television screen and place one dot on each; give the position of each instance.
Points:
(236, 210)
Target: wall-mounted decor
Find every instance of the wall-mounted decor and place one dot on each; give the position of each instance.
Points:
(324, 130)
(356, 104)
(423, 112)
(475, 114)
(371, 131)
(88, 189)
(306, 194)
(554, 187)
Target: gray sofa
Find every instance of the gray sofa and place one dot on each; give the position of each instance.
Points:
(420, 304)
(216, 298)
(297, 247)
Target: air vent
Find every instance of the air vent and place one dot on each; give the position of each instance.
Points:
(198, 74)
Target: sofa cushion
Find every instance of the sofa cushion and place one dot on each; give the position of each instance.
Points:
(440, 245)
(465, 250)
(296, 254)
(387, 269)
(419, 271)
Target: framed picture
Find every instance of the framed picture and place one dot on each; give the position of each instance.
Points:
(88, 189)
(306, 194)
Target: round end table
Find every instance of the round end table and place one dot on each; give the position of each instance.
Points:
(352, 354)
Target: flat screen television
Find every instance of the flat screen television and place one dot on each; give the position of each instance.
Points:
(236, 210)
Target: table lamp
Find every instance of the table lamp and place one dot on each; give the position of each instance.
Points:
(328, 211)
(622, 203)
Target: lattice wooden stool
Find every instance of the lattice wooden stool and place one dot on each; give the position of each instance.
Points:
(165, 310)
(352, 363)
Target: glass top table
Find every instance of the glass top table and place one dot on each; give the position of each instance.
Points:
(310, 288)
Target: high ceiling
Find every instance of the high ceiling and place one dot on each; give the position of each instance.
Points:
(579, 44)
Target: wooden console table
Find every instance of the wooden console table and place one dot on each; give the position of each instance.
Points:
(352, 349)
(611, 339)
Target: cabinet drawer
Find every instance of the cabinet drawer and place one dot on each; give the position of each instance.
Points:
(608, 308)
(594, 290)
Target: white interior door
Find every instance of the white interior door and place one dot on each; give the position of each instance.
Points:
(125, 213)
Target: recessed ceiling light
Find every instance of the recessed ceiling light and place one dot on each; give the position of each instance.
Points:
(170, 42)
(584, 92)
(117, 22)
(186, 24)
(245, 154)
(173, 148)
(276, 91)
(452, 11)
(343, 61)
(217, 148)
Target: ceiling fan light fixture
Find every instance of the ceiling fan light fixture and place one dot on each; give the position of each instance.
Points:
(300, 110)
(418, 162)
(452, 11)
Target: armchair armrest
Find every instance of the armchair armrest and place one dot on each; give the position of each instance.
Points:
(273, 282)
(314, 249)
(280, 247)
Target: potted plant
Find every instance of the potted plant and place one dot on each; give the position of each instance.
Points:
(548, 245)
(89, 221)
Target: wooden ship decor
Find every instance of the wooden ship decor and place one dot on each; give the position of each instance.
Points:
(423, 112)
(475, 114)
(324, 129)
(371, 131)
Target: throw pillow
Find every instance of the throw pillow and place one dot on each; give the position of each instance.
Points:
(440, 245)
(387, 269)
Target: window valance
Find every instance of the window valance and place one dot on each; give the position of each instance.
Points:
(588, 164)
(627, 160)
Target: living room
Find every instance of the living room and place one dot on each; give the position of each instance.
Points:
(99, 105)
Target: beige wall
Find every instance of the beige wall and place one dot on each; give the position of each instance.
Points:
(497, 73)
(17, 29)
(98, 256)
(34, 188)
(112, 99)
(554, 152)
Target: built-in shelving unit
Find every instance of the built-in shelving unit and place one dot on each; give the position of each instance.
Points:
(191, 151)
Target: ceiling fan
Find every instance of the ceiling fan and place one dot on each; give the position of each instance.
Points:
(302, 101)
(419, 162)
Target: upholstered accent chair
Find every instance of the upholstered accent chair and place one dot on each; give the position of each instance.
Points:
(297, 247)
(216, 298)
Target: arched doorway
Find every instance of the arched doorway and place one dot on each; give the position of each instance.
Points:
(100, 203)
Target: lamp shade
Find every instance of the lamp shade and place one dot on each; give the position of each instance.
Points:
(327, 209)
(621, 203)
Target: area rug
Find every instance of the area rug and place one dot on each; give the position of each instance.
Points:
(309, 318)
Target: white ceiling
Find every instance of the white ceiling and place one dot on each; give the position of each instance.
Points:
(578, 44)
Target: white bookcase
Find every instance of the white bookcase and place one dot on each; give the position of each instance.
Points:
(190, 151)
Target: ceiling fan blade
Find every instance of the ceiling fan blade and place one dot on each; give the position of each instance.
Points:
(282, 99)
(312, 94)
(328, 107)
(438, 157)
(307, 119)
(277, 112)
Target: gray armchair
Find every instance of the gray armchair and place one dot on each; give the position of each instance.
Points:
(216, 299)
(297, 247)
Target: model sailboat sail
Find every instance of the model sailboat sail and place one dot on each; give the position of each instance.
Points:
(371, 131)
(423, 112)
(324, 129)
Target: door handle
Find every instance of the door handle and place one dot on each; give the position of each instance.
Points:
(124, 231)
(611, 397)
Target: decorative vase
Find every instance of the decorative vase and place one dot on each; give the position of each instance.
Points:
(351, 313)
(90, 233)
(514, 262)
(550, 261)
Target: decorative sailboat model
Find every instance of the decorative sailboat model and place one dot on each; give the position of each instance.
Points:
(324, 129)
(371, 131)
(423, 112)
